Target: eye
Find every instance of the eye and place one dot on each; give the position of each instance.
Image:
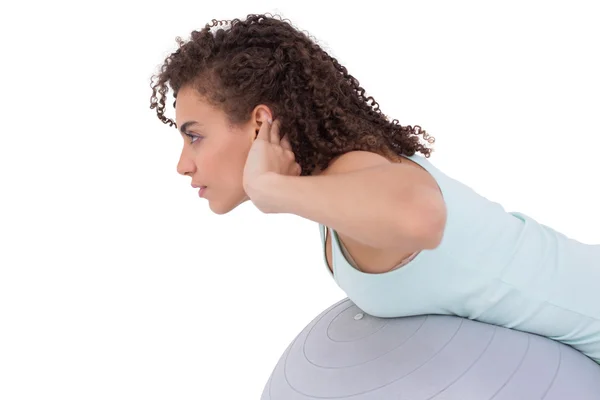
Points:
(192, 137)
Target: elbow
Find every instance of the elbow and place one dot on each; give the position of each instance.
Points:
(434, 238)
(433, 231)
(428, 227)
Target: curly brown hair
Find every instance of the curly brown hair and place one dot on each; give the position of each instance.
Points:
(264, 60)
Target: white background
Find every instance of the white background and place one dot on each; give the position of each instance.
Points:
(117, 282)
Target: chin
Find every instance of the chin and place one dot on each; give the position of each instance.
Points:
(219, 211)
(221, 208)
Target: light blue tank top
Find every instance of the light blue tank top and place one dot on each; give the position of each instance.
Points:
(494, 266)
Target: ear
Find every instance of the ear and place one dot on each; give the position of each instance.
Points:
(261, 114)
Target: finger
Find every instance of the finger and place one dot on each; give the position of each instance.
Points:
(274, 132)
(264, 132)
(285, 143)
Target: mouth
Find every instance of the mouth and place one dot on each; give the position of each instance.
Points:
(201, 191)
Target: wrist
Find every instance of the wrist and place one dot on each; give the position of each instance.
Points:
(267, 193)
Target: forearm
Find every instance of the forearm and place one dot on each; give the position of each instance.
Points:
(374, 206)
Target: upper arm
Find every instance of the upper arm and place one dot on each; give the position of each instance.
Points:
(417, 177)
(372, 260)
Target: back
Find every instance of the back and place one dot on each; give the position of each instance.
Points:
(499, 267)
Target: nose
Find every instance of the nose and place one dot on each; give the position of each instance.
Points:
(185, 165)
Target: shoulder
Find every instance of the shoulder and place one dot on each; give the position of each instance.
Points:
(357, 160)
(354, 160)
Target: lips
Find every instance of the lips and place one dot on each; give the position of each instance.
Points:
(201, 187)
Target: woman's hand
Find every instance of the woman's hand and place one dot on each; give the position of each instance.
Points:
(269, 156)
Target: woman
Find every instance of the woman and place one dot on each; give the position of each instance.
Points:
(268, 116)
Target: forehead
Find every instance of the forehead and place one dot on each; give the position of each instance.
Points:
(189, 105)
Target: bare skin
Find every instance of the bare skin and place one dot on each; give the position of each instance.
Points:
(215, 155)
(371, 260)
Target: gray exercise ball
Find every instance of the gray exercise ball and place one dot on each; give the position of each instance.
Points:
(347, 354)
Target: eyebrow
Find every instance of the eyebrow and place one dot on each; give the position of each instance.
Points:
(186, 124)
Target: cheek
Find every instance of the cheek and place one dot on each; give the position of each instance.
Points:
(225, 166)
(233, 164)
(236, 153)
(206, 164)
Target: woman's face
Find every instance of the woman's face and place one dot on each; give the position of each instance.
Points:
(214, 153)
